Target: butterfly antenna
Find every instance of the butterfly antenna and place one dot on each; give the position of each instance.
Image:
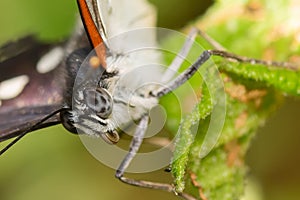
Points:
(35, 126)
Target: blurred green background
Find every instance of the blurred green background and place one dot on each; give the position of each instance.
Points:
(53, 164)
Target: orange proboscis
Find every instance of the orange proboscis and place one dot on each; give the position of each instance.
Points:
(93, 32)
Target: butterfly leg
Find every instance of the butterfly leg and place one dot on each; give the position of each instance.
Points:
(210, 40)
(133, 149)
(177, 61)
(183, 77)
(140, 131)
(189, 72)
(221, 51)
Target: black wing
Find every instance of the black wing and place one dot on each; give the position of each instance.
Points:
(41, 96)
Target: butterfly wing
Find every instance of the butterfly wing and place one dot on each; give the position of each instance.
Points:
(128, 27)
(41, 95)
(117, 18)
(17, 121)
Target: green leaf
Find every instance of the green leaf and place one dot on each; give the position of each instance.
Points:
(205, 163)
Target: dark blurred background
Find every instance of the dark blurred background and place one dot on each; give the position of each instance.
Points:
(53, 164)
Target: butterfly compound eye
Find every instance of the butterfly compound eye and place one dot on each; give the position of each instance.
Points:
(100, 101)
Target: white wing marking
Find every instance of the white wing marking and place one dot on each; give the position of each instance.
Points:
(13, 87)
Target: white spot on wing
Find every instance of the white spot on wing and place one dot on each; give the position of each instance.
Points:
(50, 60)
(13, 87)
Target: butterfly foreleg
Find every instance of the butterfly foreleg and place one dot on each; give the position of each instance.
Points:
(133, 149)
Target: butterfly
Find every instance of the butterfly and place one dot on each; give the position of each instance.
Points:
(93, 101)
(94, 107)
(54, 92)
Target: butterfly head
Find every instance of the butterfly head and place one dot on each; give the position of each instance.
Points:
(106, 99)
(91, 114)
(91, 105)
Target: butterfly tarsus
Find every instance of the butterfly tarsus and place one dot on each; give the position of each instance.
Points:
(253, 61)
(154, 185)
